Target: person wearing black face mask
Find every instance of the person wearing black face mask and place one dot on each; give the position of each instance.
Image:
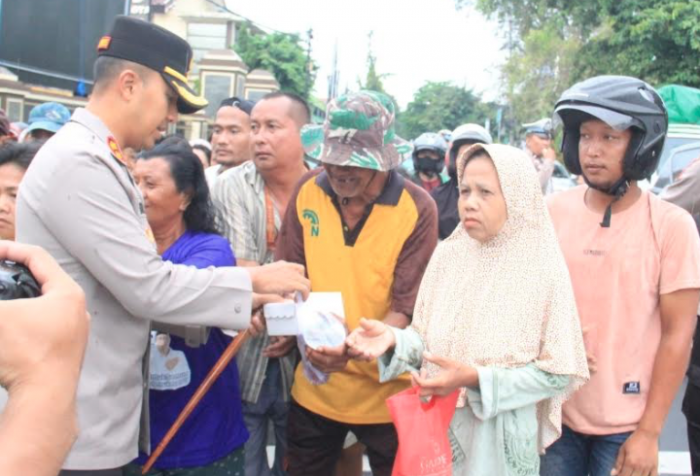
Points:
(447, 194)
(428, 164)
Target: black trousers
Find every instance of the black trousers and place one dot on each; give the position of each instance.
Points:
(91, 472)
(315, 443)
(691, 409)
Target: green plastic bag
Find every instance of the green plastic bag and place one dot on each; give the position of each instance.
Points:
(683, 104)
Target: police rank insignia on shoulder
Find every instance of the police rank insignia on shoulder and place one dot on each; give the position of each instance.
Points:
(116, 150)
(149, 235)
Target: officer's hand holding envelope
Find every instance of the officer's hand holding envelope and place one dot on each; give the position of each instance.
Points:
(280, 278)
(319, 325)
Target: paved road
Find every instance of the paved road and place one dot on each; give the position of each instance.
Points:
(674, 458)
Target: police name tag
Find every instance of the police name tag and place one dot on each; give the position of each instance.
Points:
(631, 388)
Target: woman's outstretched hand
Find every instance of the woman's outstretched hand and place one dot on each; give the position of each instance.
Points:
(454, 375)
(370, 340)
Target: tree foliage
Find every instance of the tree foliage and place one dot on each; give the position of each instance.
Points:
(522, 16)
(655, 40)
(441, 105)
(280, 53)
(535, 75)
(555, 43)
(373, 80)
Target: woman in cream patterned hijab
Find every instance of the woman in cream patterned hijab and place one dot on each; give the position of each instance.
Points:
(495, 317)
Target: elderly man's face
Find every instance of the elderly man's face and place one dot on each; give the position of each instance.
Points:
(349, 182)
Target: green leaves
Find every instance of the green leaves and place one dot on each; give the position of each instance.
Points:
(554, 43)
(658, 41)
(280, 53)
(440, 105)
(534, 76)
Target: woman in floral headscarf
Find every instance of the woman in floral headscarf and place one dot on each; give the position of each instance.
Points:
(495, 317)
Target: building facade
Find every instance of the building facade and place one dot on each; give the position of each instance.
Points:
(217, 71)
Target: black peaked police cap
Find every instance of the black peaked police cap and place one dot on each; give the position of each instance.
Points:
(158, 49)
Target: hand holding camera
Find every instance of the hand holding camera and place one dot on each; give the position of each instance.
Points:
(43, 340)
(16, 282)
(43, 335)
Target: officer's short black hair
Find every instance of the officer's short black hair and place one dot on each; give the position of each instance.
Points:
(300, 108)
(108, 68)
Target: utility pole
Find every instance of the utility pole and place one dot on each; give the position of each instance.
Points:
(309, 37)
(333, 78)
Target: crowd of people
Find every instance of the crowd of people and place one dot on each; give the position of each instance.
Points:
(564, 320)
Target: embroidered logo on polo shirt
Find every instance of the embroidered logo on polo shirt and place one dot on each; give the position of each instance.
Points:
(312, 216)
(631, 388)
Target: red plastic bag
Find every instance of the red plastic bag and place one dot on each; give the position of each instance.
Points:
(424, 447)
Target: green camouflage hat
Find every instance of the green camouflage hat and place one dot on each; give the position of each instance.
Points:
(358, 132)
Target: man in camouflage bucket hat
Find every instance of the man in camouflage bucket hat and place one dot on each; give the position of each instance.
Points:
(363, 230)
(359, 131)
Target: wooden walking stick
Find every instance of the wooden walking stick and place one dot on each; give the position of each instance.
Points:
(204, 387)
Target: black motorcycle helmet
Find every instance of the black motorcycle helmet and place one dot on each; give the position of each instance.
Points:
(623, 103)
(429, 141)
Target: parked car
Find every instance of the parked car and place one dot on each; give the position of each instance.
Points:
(679, 135)
(561, 178)
(678, 159)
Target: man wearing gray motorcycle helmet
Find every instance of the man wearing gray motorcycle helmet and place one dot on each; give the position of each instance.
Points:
(635, 274)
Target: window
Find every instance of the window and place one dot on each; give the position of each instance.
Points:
(206, 36)
(256, 94)
(182, 129)
(27, 110)
(205, 133)
(682, 159)
(559, 171)
(14, 110)
(207, 29)
(240, 86)
(216, 88)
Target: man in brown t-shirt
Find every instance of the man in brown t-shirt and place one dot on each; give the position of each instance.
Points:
(364, 231)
